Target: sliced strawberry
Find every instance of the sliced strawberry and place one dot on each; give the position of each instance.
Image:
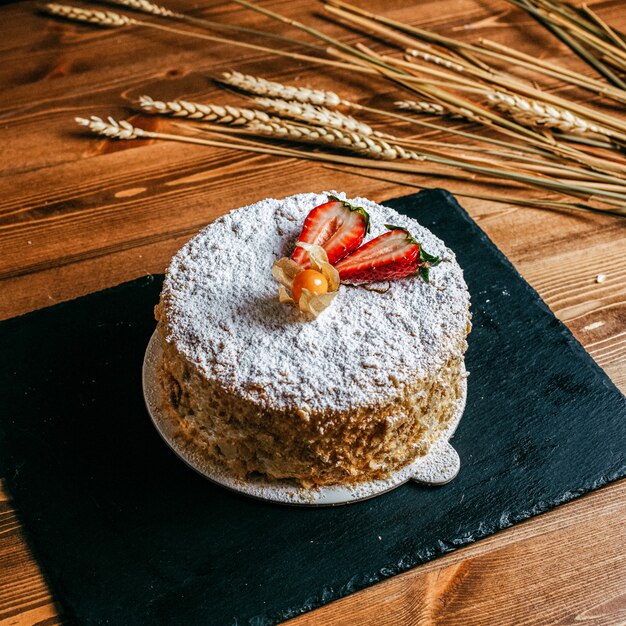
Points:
(337, 226)
(392, 255)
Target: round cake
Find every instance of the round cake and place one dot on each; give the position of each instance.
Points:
(349, 396)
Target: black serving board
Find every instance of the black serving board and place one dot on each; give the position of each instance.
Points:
(130, 535)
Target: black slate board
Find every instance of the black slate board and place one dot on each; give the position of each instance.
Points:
(129, 535)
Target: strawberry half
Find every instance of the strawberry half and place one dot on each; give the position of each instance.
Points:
(337, 226)
(392, 255)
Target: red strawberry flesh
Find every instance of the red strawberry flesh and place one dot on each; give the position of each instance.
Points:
(337, 226)
(392, 255)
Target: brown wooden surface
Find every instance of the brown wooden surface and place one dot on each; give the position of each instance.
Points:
(78, 214)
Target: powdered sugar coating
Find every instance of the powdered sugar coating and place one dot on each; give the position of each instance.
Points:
(223, 314)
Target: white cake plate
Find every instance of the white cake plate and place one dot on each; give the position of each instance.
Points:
(438, 467)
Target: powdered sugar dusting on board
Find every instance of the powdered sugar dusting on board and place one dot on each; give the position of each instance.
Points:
(223, 314)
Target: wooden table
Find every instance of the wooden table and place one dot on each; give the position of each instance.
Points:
(80, 214)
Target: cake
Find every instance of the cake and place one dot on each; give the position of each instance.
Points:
(262, 388)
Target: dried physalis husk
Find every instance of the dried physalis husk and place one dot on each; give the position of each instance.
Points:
(285, 270)
(315, 304)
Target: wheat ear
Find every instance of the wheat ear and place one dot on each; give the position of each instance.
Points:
(367, 146)
(233, 116)
(110, 127)
(106, 19)
(431, 108)
(354, 142)
(262, 87)
(535, 113)
(312, 114)
(437, 60)
(145, 7)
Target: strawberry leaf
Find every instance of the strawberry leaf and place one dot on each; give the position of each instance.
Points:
(429, 258)
(425, 273)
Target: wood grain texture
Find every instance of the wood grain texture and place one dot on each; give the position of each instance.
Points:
(78, 214)
(544, 571)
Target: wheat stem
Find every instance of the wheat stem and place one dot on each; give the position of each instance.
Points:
(456, 104)
(361, 16)
(577, 174)
(468, 109)
(521, 164)
(540, 204)
(606, 120)
(588, 37)
(373, 22)
(555, 71)
(452, 80)
(618, 41)
(150, 8)
(570, 14)
(578, 190)
(124, 130)
(110, 19)
(542, 151)
(303, 27)
(525, 89)
(261, 86)
(566, 38)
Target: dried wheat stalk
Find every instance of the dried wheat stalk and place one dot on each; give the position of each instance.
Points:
(124, 130)
(367, 146)
(354, 142)
(145, 7)
(535, 113)
(374, 22)
(233, 116)
(106, 19)
(263, 87)
(154, 9)
(313, 114)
